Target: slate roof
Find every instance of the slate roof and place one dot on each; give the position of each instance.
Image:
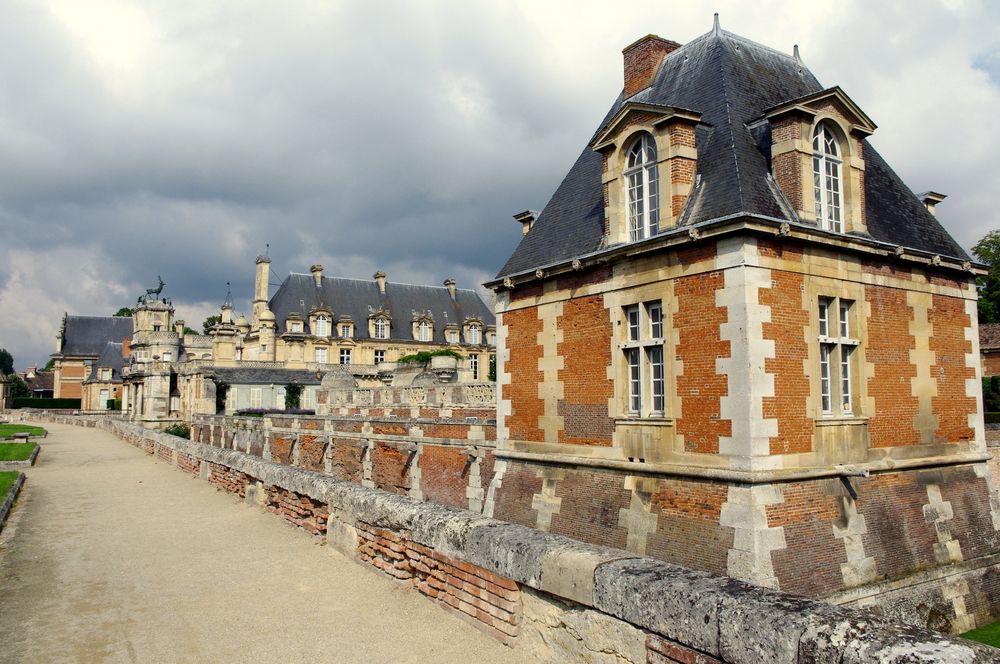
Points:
(358, 298)
(88, 335)
(989, 337)
(111, 357)
(43, 381)
(731, 81)
(250, 376)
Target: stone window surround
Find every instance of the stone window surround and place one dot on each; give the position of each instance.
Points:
(418, 321)
(373, 325)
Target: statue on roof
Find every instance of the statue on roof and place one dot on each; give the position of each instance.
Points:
(152, 292)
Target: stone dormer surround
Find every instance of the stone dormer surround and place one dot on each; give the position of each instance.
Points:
(673, 130)
(792, 127)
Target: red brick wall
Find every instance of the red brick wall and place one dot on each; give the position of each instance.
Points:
(311, 450)
(787, 167)
(444, 475)
(164, 453)
(228, 479)
(391, 468)
(513, 499)
(303, 511)
(586, 351)
(791, 386)
(991, 364)
(523, 328)
(951, 406)
(189, 462)
(492, 602)
(589, 510)
(700, 388)
(810, 565)
(281, 447)
(889, 346)
(346, 455)
(688, 532)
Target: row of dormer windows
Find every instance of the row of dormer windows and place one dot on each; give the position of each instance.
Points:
(642, 183)
(423, 330)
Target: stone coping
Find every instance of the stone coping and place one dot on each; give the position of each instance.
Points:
(731, 620)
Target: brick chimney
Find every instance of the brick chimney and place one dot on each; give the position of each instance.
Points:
(642, 59)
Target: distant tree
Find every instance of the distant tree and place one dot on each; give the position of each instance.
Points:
(124, 311)
(210, 322)
(987, 250)
(293, 395)
(50, 365)
(6, 362)
(18, 387)
(188, 330)
(493, 369)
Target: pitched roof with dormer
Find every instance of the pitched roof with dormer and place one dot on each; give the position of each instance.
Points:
(732, 83)
(359, 299)
(111, 358)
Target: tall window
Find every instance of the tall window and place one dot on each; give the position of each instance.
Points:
(345, 355)
(643, 347)
(255, 397)
(827, 168)
(474, 365)
(322, 326)
(345, 330)
(321, 355)
(379, 356)
(836, 350)
(642, 188)
(424, 331)
(474, 335)
(381, 328)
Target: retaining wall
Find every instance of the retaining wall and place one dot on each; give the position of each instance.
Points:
(558, 598)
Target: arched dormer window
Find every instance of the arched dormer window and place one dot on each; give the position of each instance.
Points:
(424, 330)
(381, 328)
(642, 188)
(322, 326)
(827, 180)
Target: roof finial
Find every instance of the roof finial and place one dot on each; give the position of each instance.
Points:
(267, 249)
(795, 53)
(229, 296)
(715, 24)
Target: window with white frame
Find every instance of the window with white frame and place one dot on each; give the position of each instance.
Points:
(645, 371)
(424, 330)
(306, 400)
(322, 326)
(345, 330)
(642, 188)
(475, 335)
(381, 328)
(379, 356)
(167, 356)
(453, 336)
(837, 345)
(345, 355)
(255, 397)
(321, 357)
(474, 366)
(295, 326)
(827, 168)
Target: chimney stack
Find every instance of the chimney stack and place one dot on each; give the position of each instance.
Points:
(930, 199)
(380, 280)
(179, 328)
(449, 283)
(260, 288)
(526, 219)
(317, 272)
(642, 60)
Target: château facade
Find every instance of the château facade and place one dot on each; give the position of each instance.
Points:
(734, 339)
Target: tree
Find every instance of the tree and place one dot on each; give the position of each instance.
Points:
(987, 250)
(50, 365)
(18, 388)
(293, 395)
(6, 362)
(211, 322)
(124, 311)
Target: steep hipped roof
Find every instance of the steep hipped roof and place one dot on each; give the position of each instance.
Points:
(111, 357)
(359, 299)
(87, 335)
(731, 81)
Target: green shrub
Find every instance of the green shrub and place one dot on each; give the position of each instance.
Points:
(293, 395)
(424, 356)
(114, 404)
(51, 404)
(180, 430)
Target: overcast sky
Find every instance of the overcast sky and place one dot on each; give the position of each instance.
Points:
(180, 138)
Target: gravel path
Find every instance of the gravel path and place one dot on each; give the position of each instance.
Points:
(111, 556)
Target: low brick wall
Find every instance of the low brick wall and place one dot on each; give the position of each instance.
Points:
(559, 599)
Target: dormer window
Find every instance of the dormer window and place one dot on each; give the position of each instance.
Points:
(424, 331)
(381, 328)
(642, 188)
(322, 326)
(475, 335)
(827, 167)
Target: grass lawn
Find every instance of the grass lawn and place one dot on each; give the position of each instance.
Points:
(988, 634)
(7, 430)
(16, 451)
(7, 478)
